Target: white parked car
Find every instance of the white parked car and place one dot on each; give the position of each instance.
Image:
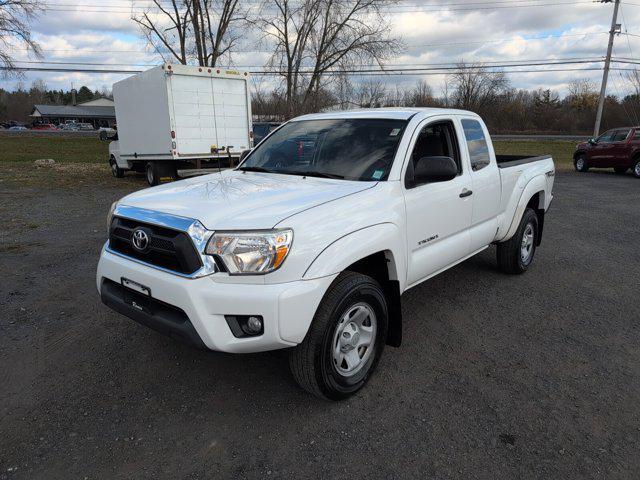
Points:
(311, 241)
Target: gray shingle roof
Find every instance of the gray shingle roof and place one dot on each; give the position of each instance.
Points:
(75, 111)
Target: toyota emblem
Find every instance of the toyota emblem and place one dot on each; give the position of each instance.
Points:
(140, 239)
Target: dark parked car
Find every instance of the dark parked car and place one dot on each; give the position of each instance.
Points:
(618, 149)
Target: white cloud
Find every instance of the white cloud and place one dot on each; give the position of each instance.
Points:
(88, 34)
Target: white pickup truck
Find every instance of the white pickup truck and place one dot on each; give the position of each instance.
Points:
(311, 241)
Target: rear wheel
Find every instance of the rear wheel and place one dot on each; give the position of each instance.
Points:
(116, 171)
(345, 341)
(160, 172)
(580, 163)
(636, 169)
(620, 170)
(516, 254)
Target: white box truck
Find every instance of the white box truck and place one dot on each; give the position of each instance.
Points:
(176, 117)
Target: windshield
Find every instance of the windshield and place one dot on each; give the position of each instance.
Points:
(353, 149)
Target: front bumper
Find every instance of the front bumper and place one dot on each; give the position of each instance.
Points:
(287, 308)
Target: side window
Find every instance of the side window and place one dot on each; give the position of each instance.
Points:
(620, 135)
(606, 137)
(636, 135)
(435, 140)
(476, 143)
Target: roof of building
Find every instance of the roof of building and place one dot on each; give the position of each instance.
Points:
(74, 111)
(98, 102)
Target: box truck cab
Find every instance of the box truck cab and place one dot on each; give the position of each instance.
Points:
(175, 117)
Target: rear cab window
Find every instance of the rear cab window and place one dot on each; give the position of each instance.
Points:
(476, 144)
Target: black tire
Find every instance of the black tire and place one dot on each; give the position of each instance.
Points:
(510, 253)
(580, 163)
(115, 169)
(160, 172)
(312, 362)
(636, 168)
(620, 170)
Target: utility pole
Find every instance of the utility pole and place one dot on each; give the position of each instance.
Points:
(615, 28)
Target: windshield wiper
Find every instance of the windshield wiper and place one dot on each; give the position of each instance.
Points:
(255, 169)
(311, 173)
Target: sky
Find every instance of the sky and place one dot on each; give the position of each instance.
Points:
(433, 32)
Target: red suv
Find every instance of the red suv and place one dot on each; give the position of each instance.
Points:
(618, 149)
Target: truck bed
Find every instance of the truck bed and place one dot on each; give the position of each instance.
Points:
(505, 161)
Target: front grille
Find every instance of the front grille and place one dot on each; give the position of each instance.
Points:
(168, 248)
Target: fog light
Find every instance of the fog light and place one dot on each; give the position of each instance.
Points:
(245, 325)
(254, 325)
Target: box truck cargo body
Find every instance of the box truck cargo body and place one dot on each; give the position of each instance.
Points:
(179, 114)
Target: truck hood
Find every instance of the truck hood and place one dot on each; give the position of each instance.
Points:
(234, 200)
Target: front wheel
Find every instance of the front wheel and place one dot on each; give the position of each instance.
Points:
(116, 171)
(580, 163)
(516, 254)
(636, 169)
(345, 341)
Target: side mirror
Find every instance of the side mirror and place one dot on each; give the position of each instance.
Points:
(244, 154)
(434, 169)
(592, 141)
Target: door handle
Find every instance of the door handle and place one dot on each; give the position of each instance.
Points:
(466, 193)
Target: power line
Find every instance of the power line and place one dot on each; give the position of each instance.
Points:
(354, 73)
(391, 10)
(506, 63)
(81, 50)
(385, 69)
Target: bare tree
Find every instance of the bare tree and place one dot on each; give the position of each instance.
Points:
(633, 77)
(15, 16)
(192, 30)
(370, 94)
(582, 94)
(420, 96)
(312, 38)
(475, 87)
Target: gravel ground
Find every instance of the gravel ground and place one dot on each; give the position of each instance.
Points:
(535, 376)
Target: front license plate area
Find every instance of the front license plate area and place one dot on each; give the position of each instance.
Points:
(136, 295)
(138, 287)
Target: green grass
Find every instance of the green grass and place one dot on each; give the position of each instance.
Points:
(63, 149)
(67, 149)
(560, 150)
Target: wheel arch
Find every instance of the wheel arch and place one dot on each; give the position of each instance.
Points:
(379, 255)
(578, 152)
(534, 196)
(537, 204)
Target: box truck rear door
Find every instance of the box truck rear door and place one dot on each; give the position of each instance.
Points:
(194, 117)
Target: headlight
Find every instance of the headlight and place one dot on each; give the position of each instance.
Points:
(110, 215)
(251, 252)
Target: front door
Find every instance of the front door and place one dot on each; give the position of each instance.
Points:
(438, 213)
(599, 153)
(617, 149)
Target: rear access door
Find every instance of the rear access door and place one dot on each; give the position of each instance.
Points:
(209, 113)
(232, 113)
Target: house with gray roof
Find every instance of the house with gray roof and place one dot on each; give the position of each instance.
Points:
(100, 112)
